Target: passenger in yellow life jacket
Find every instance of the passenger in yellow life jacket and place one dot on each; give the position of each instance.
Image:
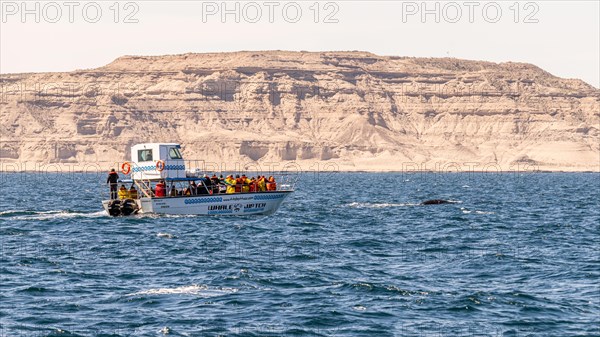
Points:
(262, 184)
(123, 193)
(133, 194)
(245, 184)
(271, 185)
(230, 183)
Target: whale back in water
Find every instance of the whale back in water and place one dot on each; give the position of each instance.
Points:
(436, 202)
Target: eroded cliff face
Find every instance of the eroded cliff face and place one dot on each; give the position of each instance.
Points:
(356, 110)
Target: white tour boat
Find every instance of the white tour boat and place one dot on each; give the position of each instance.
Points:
(162, 163)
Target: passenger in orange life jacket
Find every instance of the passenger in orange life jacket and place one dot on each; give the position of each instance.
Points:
(238, 184)
(253, 185)
(271, 184)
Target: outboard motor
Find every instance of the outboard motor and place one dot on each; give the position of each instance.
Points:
(114, 207)
(128, 207)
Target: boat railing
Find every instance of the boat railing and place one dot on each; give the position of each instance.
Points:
(285, 181)
(194, 167)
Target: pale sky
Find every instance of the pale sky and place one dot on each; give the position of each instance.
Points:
(562, 37)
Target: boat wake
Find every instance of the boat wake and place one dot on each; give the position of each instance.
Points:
(196, 290)
(388, 205)
(378, 205)
(165, 235)
(466, 211)
(47, 215)
(440, 202)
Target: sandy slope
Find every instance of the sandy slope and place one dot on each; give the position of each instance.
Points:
(344, 110)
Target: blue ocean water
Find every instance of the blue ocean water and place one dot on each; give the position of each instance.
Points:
(348, 254)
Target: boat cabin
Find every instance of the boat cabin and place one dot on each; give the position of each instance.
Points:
(156, 161)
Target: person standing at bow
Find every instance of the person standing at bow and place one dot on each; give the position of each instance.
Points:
(112, 181)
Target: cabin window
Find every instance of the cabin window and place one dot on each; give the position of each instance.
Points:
(144, 155)
(174, 153)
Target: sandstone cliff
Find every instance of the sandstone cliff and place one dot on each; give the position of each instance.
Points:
(354, 110)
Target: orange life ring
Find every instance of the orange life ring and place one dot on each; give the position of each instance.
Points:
(126, 168)
(160, 165)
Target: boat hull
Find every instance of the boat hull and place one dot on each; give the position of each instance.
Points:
(219, 204)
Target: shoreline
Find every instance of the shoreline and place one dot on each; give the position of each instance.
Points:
(311, 167)
(544, 171)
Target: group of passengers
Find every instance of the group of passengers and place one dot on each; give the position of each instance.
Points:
(217, 185)
(125, 193)
(207, 185)
(244, 184)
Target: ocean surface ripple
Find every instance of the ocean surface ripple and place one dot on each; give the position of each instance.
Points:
(348, 254)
